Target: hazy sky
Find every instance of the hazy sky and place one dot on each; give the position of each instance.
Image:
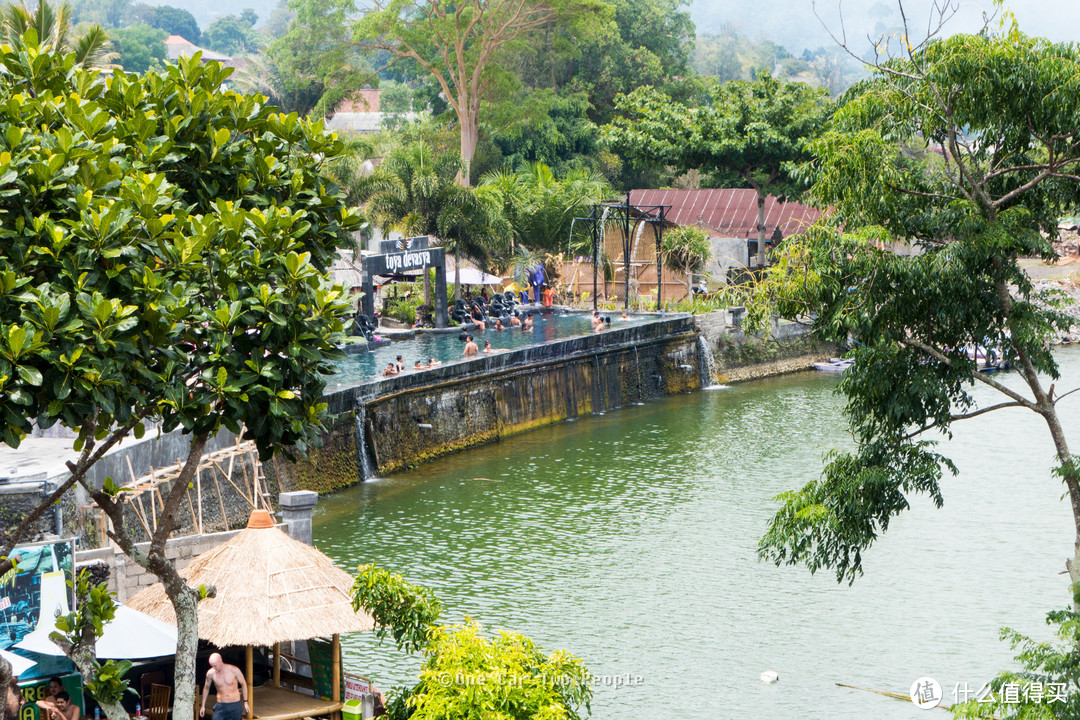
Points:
(792, 22)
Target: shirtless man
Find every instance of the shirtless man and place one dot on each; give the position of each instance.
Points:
(59, 707)
(231, 690)
(470, 347)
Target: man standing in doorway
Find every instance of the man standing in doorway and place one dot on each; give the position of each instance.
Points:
(231, 690)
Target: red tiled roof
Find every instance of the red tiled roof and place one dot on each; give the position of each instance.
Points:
(730, 212)
(361, 101)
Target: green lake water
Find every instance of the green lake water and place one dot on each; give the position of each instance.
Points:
(630, 540)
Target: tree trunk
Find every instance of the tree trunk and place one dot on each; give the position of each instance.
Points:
(184, 601)
(761, 228)
(83, 655)
(468, 147)
(457, 274)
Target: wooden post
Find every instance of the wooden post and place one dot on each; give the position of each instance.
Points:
(277, 664)
(335, 673)
(249, 672)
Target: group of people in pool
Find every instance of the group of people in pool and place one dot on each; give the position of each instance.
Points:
(398, 366)
(512, 322)
(599, 324)
(602, 322)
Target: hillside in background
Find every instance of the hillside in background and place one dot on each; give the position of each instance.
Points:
(793, 24)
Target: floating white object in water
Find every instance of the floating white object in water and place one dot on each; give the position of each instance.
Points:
(717, 387)
(770, 676)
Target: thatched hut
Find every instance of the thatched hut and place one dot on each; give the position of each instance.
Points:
(270, 589)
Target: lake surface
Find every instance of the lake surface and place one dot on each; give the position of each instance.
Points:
(630, 540)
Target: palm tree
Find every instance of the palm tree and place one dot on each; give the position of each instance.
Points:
(415, 191)
(540, 206)
(686, 249)
(52, 28)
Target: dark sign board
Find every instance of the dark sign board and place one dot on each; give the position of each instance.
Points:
(413, 243)
(400, 262)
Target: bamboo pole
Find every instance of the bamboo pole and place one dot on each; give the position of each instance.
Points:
(237, 489)
(249, 672)
(277, 664)
(198, 495)
(335, 673)
(220, 499)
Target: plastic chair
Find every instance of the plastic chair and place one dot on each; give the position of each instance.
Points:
(158, 707)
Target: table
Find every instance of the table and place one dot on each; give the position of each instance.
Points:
(278, 703)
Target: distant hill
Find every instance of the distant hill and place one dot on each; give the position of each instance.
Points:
(792, 23)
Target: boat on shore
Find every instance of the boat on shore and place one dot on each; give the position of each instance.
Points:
(834, 365)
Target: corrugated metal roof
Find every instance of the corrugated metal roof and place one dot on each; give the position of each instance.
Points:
(730, 212)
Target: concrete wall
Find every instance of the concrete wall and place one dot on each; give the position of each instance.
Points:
(737, 356)
(399, 422)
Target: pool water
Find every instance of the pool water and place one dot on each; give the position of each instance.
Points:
(364, 366)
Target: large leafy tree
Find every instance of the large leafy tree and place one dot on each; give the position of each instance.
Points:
(455, 44)
(1000, 108)
(750, 134)
(311, 68)
(173, 20)
(163, 250)
(140, 47)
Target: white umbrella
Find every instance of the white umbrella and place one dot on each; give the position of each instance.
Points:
(131, 635)
(19, 664)
(472, 276)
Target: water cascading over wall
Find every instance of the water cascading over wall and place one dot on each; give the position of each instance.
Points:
(406, 420)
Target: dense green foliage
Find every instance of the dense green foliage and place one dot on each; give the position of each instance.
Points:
(232, 35)
(541, 207)
(173, 20)
(1001, 108)
(178, 278)
(466, 675)
(53, 33)
(141, 48)
(400, 609)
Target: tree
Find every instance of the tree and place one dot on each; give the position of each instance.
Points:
(52, 26)
(180, 281)
(750, 135)
(311, 69)
(140, 47)
(999, 107)
(502, 677)
(540, 207)
(686, 249)
(230, 35)
(456, 44)
(415, 191)
(173, 20)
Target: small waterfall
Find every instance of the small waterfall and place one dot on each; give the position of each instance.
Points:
(640, 380)
(705, 361)
(363, 457)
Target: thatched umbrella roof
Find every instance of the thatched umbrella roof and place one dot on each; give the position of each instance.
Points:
(270, 589)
